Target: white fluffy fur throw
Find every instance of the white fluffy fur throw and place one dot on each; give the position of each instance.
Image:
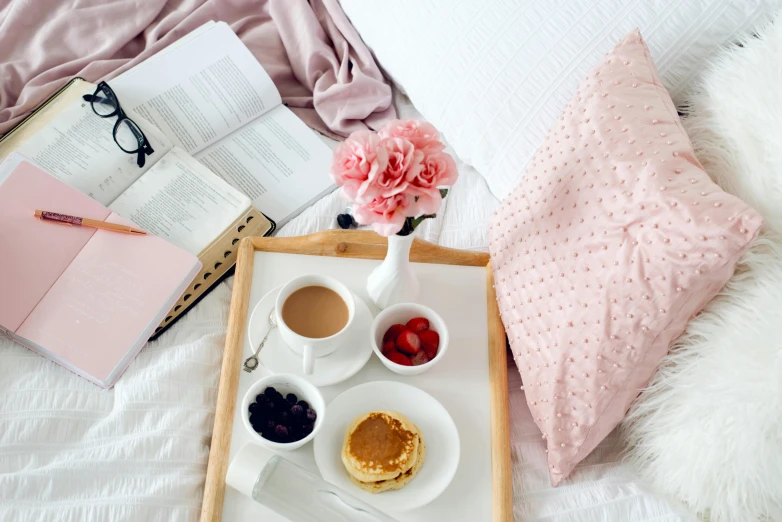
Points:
(709, 428)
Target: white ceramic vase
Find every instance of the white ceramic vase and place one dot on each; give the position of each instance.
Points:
(394, 281)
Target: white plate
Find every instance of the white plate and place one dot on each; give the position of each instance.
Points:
(339, 365)
(434, 421)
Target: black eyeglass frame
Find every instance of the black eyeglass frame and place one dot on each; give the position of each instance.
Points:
(144, 147)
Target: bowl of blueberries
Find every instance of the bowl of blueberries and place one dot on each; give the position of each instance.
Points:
(283, 412)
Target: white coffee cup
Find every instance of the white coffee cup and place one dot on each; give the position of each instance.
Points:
(310, 348)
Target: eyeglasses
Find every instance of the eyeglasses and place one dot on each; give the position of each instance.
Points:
(127, 134)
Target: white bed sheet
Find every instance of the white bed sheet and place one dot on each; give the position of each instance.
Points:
(70, 451)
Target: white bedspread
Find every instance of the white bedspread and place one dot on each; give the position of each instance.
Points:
(70, 451)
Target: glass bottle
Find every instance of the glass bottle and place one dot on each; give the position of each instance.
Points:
(294, 492)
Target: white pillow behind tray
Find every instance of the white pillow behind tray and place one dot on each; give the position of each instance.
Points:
(493, 75)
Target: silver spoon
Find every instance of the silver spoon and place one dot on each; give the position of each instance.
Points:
(252, 361)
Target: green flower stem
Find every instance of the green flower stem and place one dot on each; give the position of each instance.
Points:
(412, 223)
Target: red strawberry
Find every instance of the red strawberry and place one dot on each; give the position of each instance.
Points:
(430, 342)
(399, 358)
(408, 342)
(388, 347)
(420, 358)
(393, 332)
(418, 324)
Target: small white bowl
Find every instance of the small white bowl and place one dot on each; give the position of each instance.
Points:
(401, 313)
(285, 384)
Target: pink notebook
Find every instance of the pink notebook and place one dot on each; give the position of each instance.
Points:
(87, 299)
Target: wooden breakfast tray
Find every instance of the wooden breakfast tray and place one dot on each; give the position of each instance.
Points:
(356, 245)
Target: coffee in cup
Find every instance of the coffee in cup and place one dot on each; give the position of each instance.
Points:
(314, 314)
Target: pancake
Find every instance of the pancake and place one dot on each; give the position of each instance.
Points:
(380, 445)
(382, 450)
(398, 482)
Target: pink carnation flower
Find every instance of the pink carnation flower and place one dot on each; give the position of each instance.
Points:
(421, 134)
(404, 163)
(357, 160)
(437, 170)
(386, 215)
(394, 174)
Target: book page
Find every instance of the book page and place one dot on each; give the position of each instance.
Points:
(182, 202)
(22, 133)
(78, 148)
(277, 161)
(199, 91)
(34, 252)
(108, 301)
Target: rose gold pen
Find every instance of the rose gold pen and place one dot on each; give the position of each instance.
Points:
(64, 219)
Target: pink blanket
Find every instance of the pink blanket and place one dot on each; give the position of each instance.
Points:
(318, 62)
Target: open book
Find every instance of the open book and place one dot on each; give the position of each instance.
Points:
(87, 299)
(224, 146)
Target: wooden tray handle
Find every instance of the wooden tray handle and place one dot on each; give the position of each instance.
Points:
(366, 245)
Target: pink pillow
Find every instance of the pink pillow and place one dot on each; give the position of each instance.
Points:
(614, 239)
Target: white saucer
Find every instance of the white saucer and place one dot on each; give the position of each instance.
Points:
(341, 364)
(434, 421)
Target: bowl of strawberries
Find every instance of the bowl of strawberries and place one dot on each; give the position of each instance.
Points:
(409, 338)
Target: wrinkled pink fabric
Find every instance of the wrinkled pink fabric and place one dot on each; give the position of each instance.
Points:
(322, 69)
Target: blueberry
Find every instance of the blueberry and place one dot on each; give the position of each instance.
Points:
(283, 416)
(257, 426)
(268, 429)
(311, 415)
(254, 407)
(297, 411)
(345, 221)
(291, 398)
(304, 404)
(306, 429)
(281, 431)
(259, 398)
(270, 392)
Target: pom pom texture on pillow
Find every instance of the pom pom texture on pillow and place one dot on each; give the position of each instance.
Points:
(614, 239)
